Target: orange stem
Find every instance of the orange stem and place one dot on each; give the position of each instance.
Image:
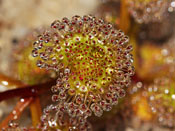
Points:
(124, 17)
(9, 82)
(35, 107)
(17, 111)
(35, 110)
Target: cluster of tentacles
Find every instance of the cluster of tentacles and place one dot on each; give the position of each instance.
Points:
(55, 117)
(24, 65)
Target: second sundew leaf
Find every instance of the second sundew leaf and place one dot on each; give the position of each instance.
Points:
(147, 11)
(162, 100)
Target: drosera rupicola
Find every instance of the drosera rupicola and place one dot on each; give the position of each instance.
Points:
(93, 61)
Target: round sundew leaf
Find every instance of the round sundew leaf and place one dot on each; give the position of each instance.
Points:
(89, 56)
